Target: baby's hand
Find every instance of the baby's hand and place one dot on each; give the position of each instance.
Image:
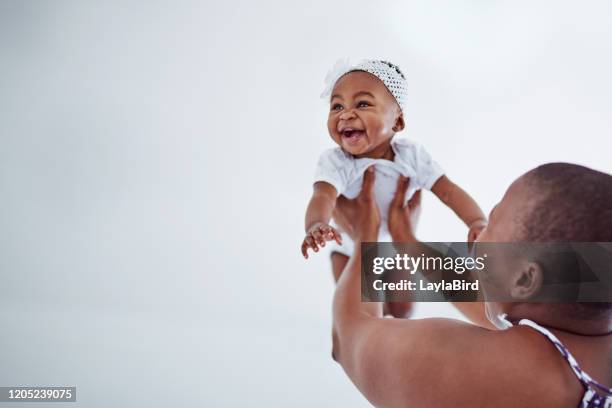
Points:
(317, 235)
(475, 229)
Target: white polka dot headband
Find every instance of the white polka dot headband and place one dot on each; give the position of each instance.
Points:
(389, 74)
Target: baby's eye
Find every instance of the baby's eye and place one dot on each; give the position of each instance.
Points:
(336, 106)
(363, 104)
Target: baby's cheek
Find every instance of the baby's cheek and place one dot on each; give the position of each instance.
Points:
(381, 130)
(331, 126)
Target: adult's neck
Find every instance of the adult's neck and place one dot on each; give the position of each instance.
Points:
(561, 317)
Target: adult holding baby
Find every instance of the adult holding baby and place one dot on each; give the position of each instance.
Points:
(541, 360)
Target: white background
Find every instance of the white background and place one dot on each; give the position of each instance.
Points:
(156, 160)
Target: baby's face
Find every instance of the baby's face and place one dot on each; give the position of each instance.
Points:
(363, 114)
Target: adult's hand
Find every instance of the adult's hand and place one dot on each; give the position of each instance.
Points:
(403, 218)
(360, 217)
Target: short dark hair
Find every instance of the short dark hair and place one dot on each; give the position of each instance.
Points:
(571, 203)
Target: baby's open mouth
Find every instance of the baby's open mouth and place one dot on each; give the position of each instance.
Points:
(352, 135)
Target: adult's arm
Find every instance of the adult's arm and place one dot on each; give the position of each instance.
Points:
(395, 362)
(402, 222)
(426, 362)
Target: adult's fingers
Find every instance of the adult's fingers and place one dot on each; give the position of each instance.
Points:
(415, 200)
(400, 192)
(367, 189)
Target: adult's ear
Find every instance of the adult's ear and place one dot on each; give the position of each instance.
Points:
(526, 281)
(399, 123)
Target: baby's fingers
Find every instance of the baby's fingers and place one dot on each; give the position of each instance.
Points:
(309, 242)
(305, 249)
(333, 233)
(318, 237)
(312, 243)
(328, 232)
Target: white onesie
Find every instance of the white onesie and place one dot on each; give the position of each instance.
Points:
(345, 173)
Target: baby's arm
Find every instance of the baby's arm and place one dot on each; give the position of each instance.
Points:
(462, 204)
(318, 214)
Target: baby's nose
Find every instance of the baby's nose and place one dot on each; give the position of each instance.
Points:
(347, 114)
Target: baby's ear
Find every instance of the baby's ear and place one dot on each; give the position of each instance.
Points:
(399, 123)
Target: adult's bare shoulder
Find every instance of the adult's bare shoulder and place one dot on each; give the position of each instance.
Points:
(444, 362)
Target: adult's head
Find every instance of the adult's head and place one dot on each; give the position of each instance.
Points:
(556, 202)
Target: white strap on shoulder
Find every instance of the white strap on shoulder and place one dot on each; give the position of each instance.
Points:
(582, 376)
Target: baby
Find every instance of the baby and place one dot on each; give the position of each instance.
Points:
(367, 102)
